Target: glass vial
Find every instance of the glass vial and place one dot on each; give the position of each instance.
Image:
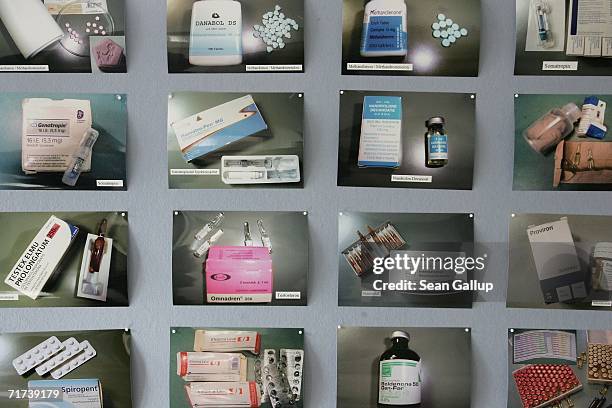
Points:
(248, 240)
(265, 238)
(601, 265)
(399, 376)
(546, 133)
(436, 143)
(97, 251)
(79, 157)
(210, 225)
(541, 11)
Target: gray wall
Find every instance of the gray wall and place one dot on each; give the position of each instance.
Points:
(150, 203)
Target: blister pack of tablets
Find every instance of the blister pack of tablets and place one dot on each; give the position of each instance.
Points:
(37, 355)
(277, 387)
(71, 348)
(292, 362)
(88, 352)
(280, 379)
(58, 358)
(266, 359)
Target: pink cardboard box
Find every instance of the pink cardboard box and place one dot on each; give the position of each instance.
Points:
(239, 274)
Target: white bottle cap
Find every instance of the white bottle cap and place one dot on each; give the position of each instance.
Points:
(572, 111)
(401, 334)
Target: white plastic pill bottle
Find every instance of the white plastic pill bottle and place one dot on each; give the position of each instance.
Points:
(384, 29)
(216, 33)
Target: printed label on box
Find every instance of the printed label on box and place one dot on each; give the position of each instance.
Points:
(41, 257)
(380, 143)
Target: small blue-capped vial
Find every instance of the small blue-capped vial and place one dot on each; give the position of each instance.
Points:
(75, 168)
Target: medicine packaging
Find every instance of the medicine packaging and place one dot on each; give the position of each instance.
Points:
(384, 29)
(216, 33)
(593, 117)
(58, 358)
(267, 358)
(536, 345)
(86, 354)
(37, 355)
(277, 387)
(95, 268)
(601, 266)
(280, 379)
(41, 258)
(556, 261)
(223, 394)
(52, 131)
(400, 373)
(583, 162)
(239, 274)
(227, 341)
(30, 26)
(74, 393)
(292, 361)
(206, 366)
(546, 26)
(70, 347)
(380, 143)
(210, 130)
(589, 31)
(270, 377)
(260, 169)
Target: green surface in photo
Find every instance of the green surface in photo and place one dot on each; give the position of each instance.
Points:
(182, 339)
(580, 399)
(111, 365)
(289, 236)
(532, 170)
(283, 114)
(61, 288)
(110, 118)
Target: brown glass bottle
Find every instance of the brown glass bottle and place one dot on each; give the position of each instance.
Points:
(98, 249)
(399, 376)
(436, 143)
